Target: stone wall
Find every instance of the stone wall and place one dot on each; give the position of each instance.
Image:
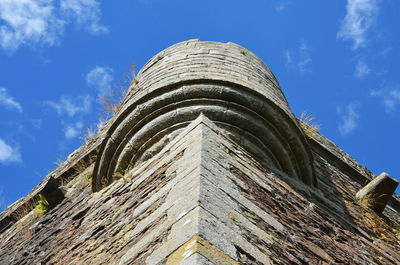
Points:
(205, 200)
(171, 179)
(226, 82)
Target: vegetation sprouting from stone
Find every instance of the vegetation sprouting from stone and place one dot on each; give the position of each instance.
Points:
(111, 101)
(90, 132)
(42, 207)
(118, 175)
(88, 178)
(59, 162)
(307, 122)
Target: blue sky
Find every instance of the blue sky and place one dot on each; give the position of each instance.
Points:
(338, 60)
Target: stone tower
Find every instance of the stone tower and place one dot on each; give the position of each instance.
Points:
(205, 163)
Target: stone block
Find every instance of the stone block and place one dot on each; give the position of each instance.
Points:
(378, 192)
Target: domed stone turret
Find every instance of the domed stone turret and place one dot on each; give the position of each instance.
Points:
(198, 127)
(226, 83)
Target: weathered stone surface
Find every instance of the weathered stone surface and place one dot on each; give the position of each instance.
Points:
(226, 82)
(203, 184)
(378, 192)
(202, 196)
(206, 254)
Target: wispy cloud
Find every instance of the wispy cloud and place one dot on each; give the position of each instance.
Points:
(3, 203)
(385, 51)
(87, 14)
(8, 101)
(38, 23)
(389, 96)
(100, 78)
(73, 130)
(71, 106)
(360, 17)
(288, 57)
(281, 6)
(37, 123)
(362, 69)
(303, 58)
(8, 153)
(349, 118)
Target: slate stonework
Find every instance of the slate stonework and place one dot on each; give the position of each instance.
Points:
(202, 196)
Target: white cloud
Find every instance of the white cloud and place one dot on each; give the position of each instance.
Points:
(389, 95)
(8, 101)
(360, 17)
(303, 58)
(280, 6)
(385, 51)
(288, 57)
(28, 22)
(8, 153)
(71, 131)
(362, 69)
(39, 23)
(349, 118)
(100, 78)
(69, 106)
(87, 14)
(3, 204)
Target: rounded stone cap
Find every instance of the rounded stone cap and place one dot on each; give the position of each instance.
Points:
(225, 82)
(208, 60)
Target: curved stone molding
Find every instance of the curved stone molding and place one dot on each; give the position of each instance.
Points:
(225, 82)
